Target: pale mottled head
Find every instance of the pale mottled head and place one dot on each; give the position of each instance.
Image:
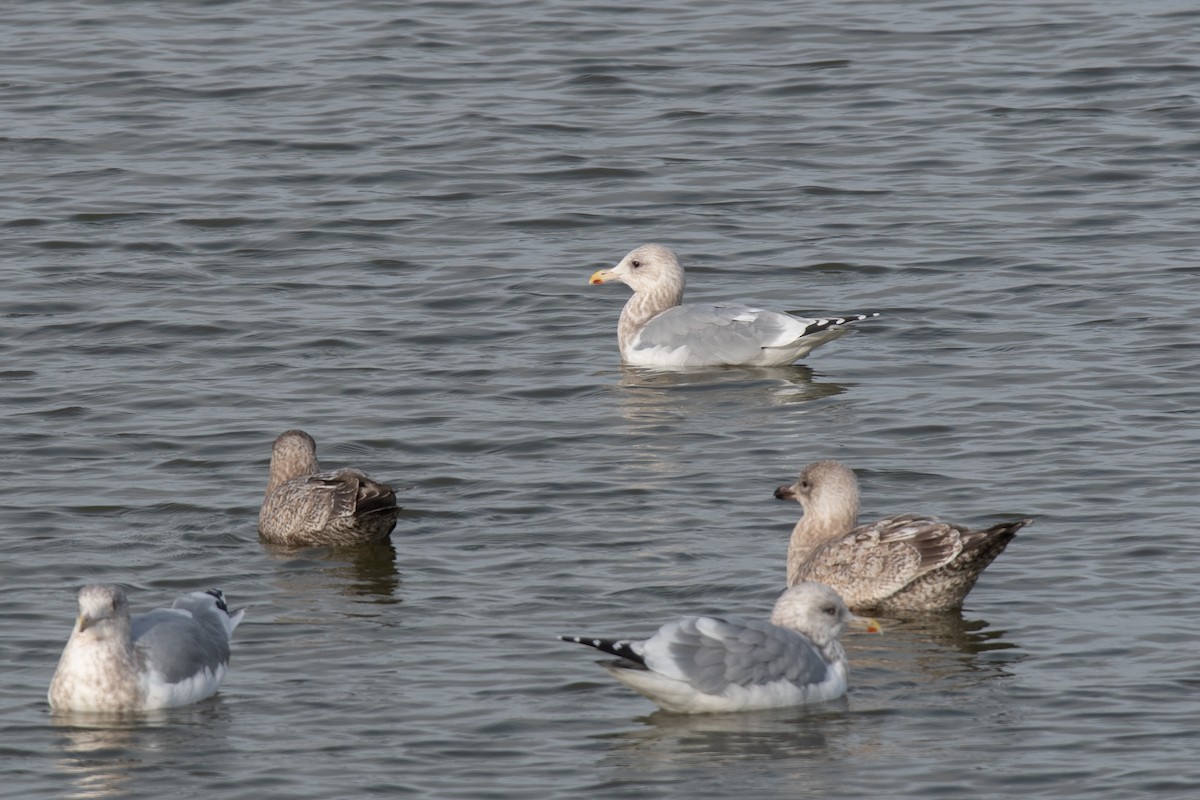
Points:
(649, 268)
(828, 491)
(103, 610)
(818, 612)
(294, 454)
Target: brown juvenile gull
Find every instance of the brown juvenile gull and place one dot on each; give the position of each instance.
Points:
(656, 330)
(162, 658)
(304, 506)
(702, 664)
(909, 562)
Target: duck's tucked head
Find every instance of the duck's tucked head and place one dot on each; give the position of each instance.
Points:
(103, 611)
(293, 454)
(650, 267)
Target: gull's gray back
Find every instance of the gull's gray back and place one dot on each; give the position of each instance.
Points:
(713, 652)
(728, 332)
(181, 641)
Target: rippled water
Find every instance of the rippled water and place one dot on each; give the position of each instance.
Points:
(375, 221)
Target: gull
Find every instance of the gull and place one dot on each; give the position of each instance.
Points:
(657, 330)
(162, 658)
(304, 506)
(710, 664)
(907, 562)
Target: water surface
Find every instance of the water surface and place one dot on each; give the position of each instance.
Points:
(375, 222)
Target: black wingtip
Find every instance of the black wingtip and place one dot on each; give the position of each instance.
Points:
(217, 593)
(622, 648)
(826, 323)
(1008, 528)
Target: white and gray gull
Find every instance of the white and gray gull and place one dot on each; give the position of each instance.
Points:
(712, 664)
(657, 330)
(117, 662)
(304, 506)
(902, 563)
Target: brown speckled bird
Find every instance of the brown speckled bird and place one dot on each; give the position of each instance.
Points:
(908, 562)
(304, 506)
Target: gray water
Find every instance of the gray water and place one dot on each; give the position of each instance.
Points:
(376, 221)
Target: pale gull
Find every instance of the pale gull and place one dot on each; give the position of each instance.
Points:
(908, 562)
(162, 658)
(708, 664)
(656, 330)
(304, 506)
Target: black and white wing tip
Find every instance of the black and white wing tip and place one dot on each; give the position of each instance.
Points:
(220, 596)
(824, 323)
(622, 648)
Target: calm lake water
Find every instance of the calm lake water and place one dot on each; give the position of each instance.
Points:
(376, 221)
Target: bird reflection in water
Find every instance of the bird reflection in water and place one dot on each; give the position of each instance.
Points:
(946, 650)
(724, 399)
(367, 570)
(737, 745)
(645, 395)
(102, 753)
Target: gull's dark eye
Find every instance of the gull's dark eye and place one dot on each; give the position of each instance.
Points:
(805, 485)
(830, 610)
(635, 264)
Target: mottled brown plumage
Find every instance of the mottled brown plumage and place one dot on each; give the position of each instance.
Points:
(304, 506)
(908, 562)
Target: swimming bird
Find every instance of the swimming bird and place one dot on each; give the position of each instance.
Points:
(657, 330)
(304, 506)
(908, 562)
(704, 664)
(162, 658)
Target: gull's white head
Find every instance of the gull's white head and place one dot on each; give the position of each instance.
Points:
(650, 266)
(818, 612)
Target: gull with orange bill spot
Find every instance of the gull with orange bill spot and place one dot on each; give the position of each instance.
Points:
(657, 330)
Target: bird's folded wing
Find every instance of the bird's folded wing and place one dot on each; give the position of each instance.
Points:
(172, 642)
(712, 653)
(729, 333)
(883, 557)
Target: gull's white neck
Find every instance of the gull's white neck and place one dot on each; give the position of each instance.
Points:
(644, 306)
(833, 652)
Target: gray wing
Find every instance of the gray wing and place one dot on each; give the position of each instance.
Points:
(726, 332)
(183, 640)
(711, 653)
